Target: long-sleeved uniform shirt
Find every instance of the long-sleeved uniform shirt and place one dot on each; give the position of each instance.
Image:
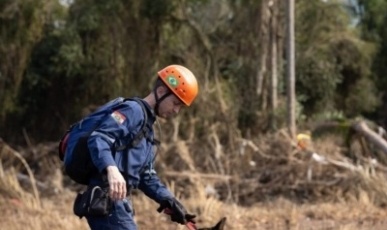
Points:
(118, 128)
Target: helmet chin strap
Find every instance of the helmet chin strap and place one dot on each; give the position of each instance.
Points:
(159, 100)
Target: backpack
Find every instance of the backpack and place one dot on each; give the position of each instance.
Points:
(80, 167)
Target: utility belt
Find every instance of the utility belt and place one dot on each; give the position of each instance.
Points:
(95, 201)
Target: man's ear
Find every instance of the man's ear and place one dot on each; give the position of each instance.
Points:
(161, 90)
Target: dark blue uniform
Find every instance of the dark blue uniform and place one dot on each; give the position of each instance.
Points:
(136, 164)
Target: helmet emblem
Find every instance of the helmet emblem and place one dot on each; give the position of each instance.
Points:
(172, 81)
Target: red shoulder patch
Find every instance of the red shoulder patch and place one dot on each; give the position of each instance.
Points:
(118, 117)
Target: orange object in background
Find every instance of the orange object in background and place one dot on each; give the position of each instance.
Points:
(303, 141)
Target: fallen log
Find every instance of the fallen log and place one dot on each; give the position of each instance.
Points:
(197, 175)
(362, 128)
(348, 127)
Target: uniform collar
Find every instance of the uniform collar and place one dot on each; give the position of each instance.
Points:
(149, 110)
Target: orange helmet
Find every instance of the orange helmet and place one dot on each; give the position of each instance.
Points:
(181, 81)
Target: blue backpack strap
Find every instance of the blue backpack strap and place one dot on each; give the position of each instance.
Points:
(143, 132)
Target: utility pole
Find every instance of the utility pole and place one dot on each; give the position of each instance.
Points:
(290, 69)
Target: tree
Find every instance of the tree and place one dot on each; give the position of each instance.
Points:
(373, 22)
(333, 62)
(21, 23)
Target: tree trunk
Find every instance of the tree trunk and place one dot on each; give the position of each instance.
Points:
(264, 41)
(273, 64)
(291, 104)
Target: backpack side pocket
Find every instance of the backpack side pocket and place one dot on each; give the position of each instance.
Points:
(81, 168)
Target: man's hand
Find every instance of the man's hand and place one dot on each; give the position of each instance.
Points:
(117, 184)
(176, 210)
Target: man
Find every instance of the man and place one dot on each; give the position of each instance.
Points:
(132, 168)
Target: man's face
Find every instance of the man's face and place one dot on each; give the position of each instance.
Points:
(170, 106)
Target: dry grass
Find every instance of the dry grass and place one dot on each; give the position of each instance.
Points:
(223, 184)
(55, 213)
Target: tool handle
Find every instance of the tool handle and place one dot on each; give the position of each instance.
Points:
(190, 225)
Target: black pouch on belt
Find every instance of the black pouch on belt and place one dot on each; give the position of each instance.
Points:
(95, 201)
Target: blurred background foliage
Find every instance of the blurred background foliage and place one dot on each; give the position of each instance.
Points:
(59, 59)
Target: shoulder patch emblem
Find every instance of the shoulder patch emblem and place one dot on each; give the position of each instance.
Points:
(118, 117)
